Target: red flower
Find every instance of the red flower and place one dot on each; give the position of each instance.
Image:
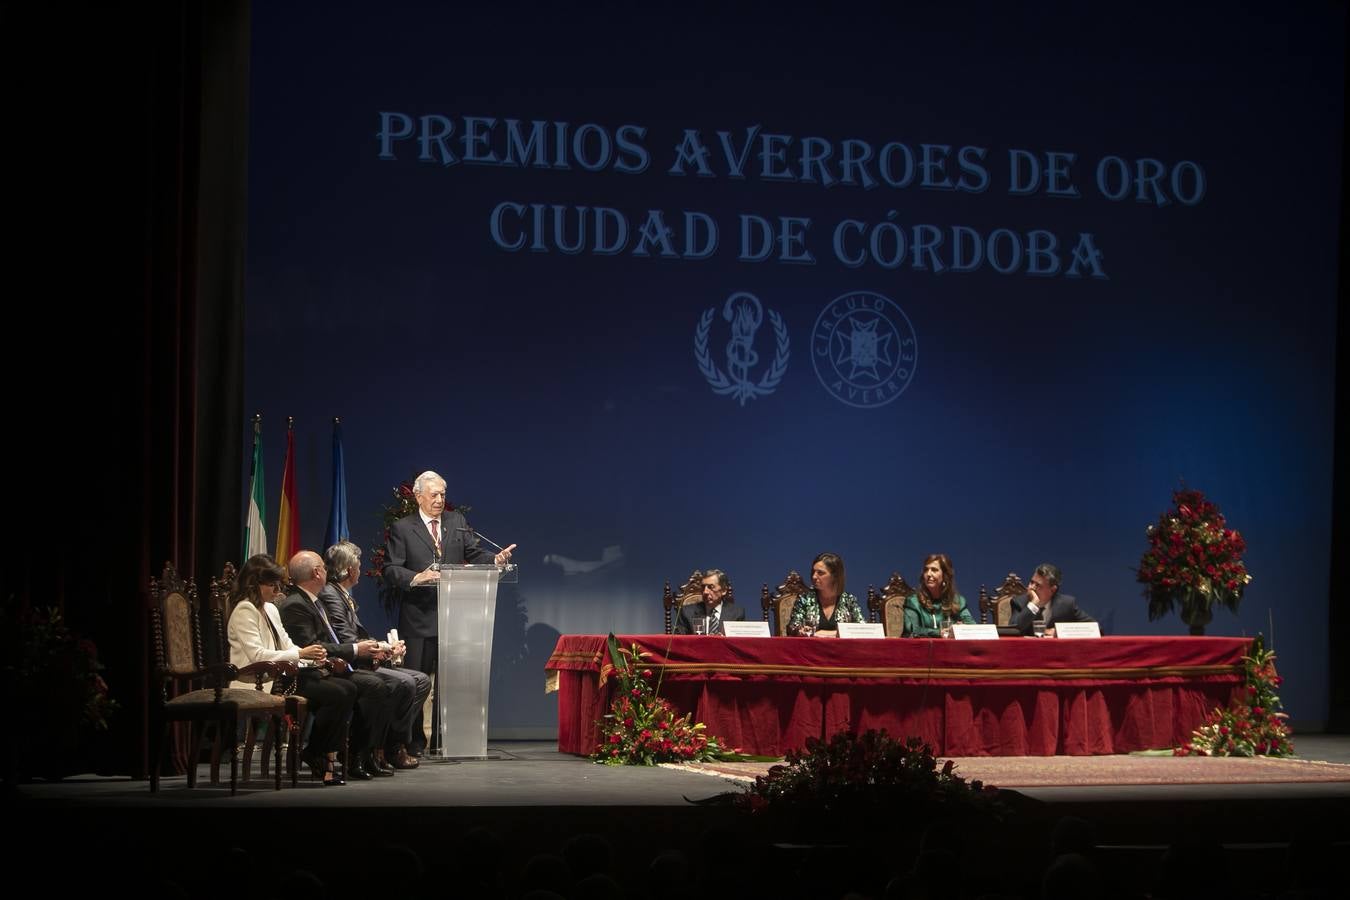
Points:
(615, 738)
(646, 673)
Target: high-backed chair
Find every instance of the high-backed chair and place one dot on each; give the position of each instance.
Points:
(888, 606)
(674, 601)
(997, 607)
(285, 725)
(780, 604)
(689, 592)
(203, 697)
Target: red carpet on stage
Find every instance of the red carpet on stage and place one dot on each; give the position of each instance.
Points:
(1091, 771)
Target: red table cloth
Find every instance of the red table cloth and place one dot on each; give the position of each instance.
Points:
(1010, 697)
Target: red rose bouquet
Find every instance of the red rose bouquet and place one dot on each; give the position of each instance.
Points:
(1193, 561)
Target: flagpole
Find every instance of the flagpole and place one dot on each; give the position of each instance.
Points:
(288, 518)
(337, 510)
(255, 534)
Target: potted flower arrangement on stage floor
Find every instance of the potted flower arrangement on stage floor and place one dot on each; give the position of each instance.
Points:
(1252, 724)
(642, 728)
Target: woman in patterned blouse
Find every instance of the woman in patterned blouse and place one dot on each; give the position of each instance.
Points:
(817, 613)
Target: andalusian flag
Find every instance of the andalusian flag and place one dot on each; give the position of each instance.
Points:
(288, 521)
(255, 536)
(337, 512)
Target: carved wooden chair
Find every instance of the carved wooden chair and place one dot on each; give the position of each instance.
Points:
(888, 605)
(997, 607)
(674, 601)
(202, 695)
(283, 732)
(782, 600)
(689, 592)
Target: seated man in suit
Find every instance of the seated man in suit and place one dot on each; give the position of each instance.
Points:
(307, 623)
(410, 687)
(1043, 601)
(714, 608)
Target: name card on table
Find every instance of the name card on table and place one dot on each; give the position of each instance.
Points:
(861, 630)
(975, 632)
(1077, 630)
(745, 629)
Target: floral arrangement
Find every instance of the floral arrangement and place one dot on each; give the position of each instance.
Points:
(62, 667)
(641, 727)
(404, 504)
(1193, 560)
(1252, 723)
(871, 772)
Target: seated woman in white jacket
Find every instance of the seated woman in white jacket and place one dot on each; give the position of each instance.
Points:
(256, 635)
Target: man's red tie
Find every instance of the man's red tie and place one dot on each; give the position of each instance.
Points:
(436, 533)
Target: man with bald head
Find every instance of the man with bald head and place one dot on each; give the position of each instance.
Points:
(418, 545)
(307, 623)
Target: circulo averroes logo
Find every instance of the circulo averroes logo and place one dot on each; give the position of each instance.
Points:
(864, 349)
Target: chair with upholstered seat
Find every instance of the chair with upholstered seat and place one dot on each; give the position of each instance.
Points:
(782, 601)
(998, 605)
(888, 605)
(276, 679)
(201, 695)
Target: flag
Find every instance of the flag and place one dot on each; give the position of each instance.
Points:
(337, 512)
(255, 536)
(288, 520)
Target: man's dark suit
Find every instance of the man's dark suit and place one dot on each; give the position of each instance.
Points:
(374, 701)
(408, 551)
(1063, 608)
(409, 686)
(728, 612)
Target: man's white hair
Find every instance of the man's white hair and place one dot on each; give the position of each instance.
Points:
(422, 480)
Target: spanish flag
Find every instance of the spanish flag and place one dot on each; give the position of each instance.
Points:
(288, 520)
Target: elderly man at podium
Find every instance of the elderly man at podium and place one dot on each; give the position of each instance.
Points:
(417, 547)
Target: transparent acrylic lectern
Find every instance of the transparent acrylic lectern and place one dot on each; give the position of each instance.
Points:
(466, 609)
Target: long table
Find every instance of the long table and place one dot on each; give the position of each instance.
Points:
(1010, 697)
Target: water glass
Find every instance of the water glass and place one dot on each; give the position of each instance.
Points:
(1038, 628)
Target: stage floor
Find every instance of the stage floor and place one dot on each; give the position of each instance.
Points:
(536, 774)
(534, 798)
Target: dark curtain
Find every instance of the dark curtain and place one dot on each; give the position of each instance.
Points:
(126, 291)
(1339, 624)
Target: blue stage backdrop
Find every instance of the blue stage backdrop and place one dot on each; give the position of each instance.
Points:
(730, 285)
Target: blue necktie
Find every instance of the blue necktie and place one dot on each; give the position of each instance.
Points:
(323, 615)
